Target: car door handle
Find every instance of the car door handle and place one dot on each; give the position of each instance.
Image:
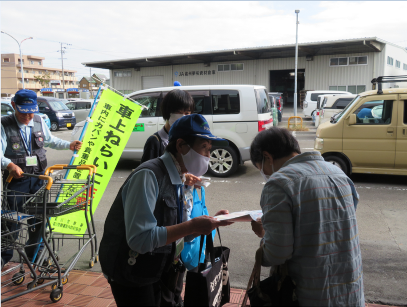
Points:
(150, 124)
(390, 130)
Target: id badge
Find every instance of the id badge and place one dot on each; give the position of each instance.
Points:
(179, 246)
(31, 161)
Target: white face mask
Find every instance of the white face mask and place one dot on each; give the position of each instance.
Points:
(174, 117)
(195, 163)
(266, 177)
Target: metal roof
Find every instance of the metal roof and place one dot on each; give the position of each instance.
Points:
(359, 45)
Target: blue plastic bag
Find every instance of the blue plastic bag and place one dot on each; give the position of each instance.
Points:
(189, 254)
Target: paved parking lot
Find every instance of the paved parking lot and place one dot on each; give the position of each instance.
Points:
(382, 216)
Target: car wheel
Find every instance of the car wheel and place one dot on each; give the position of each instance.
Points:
(339, 162)
(223, 161)
(54, 126)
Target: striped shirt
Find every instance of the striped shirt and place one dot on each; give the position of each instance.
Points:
(310, 221)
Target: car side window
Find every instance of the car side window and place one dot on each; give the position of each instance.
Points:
(81, 105)
(341, 103)
(405, 112)
(150, 100)
(5, 109)
(71, 106)
(377, 112)
(225, 102)
(42, 105)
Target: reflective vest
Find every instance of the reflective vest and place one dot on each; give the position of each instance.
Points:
(15, 150)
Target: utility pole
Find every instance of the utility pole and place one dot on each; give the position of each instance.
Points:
(296, 62)
(62, 61)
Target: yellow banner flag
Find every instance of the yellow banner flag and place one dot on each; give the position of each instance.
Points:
(111, 125)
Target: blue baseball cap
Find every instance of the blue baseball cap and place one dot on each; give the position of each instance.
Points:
(194, 125)
(26, 101)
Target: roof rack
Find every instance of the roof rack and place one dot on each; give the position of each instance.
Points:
(387, 79)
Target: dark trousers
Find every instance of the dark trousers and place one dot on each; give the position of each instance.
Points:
(156, 294)
(16, 201)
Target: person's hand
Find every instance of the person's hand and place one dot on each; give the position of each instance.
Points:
(191, 179)
(14, 170)
(257, 227)
(205, 224)
(75, 145)
(222, 212)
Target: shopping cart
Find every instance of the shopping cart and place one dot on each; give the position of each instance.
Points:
(64, 197)
(15, 226)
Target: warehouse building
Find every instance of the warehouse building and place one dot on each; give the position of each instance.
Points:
(347, 65)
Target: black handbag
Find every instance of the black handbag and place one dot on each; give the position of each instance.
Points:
(210, 285)
(276, 290)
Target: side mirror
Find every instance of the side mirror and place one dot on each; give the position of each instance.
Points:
(352, 119)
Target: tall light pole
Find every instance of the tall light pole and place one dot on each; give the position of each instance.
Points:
(296, 63)
(21, 56)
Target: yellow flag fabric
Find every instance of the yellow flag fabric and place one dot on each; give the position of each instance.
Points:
(113, 121)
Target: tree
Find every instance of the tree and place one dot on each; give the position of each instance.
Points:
(44, 79)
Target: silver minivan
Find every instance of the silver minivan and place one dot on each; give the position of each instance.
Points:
(80, 107)
(234, 112)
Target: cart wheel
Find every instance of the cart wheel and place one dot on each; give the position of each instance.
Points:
(96, 258)
(91, 263)
(57, 257)
(18, 279)
(31, 285)
(64, 281)
(56, 295)
(54, 286)
(40, 281)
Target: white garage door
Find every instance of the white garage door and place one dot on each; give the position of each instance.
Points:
(152, 82)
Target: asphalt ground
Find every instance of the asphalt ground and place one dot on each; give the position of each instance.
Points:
(382, 221)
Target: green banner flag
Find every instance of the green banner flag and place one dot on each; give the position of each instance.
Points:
(111, 125)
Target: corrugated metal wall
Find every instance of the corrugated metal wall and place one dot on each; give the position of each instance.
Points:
(399, 55)
(318, 74)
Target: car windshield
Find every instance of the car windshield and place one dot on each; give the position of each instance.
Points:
(355, 100)
(57, 105)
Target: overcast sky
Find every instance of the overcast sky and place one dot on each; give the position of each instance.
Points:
(107, 30)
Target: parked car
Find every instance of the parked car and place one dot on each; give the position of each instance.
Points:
(58, 113)
(234, 112)
(369, 135)
(310, 101)
(7, 109)
(280, 103)
(330, 105)
(81, 108)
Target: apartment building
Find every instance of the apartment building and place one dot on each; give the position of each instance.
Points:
(33, 66)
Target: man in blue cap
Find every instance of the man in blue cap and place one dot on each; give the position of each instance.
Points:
(145, 228)
(23, 138)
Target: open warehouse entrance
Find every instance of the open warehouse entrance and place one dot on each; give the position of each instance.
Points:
(283, 81)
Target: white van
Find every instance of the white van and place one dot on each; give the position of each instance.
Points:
(331, 105)
(234, 112)
(310, 101)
